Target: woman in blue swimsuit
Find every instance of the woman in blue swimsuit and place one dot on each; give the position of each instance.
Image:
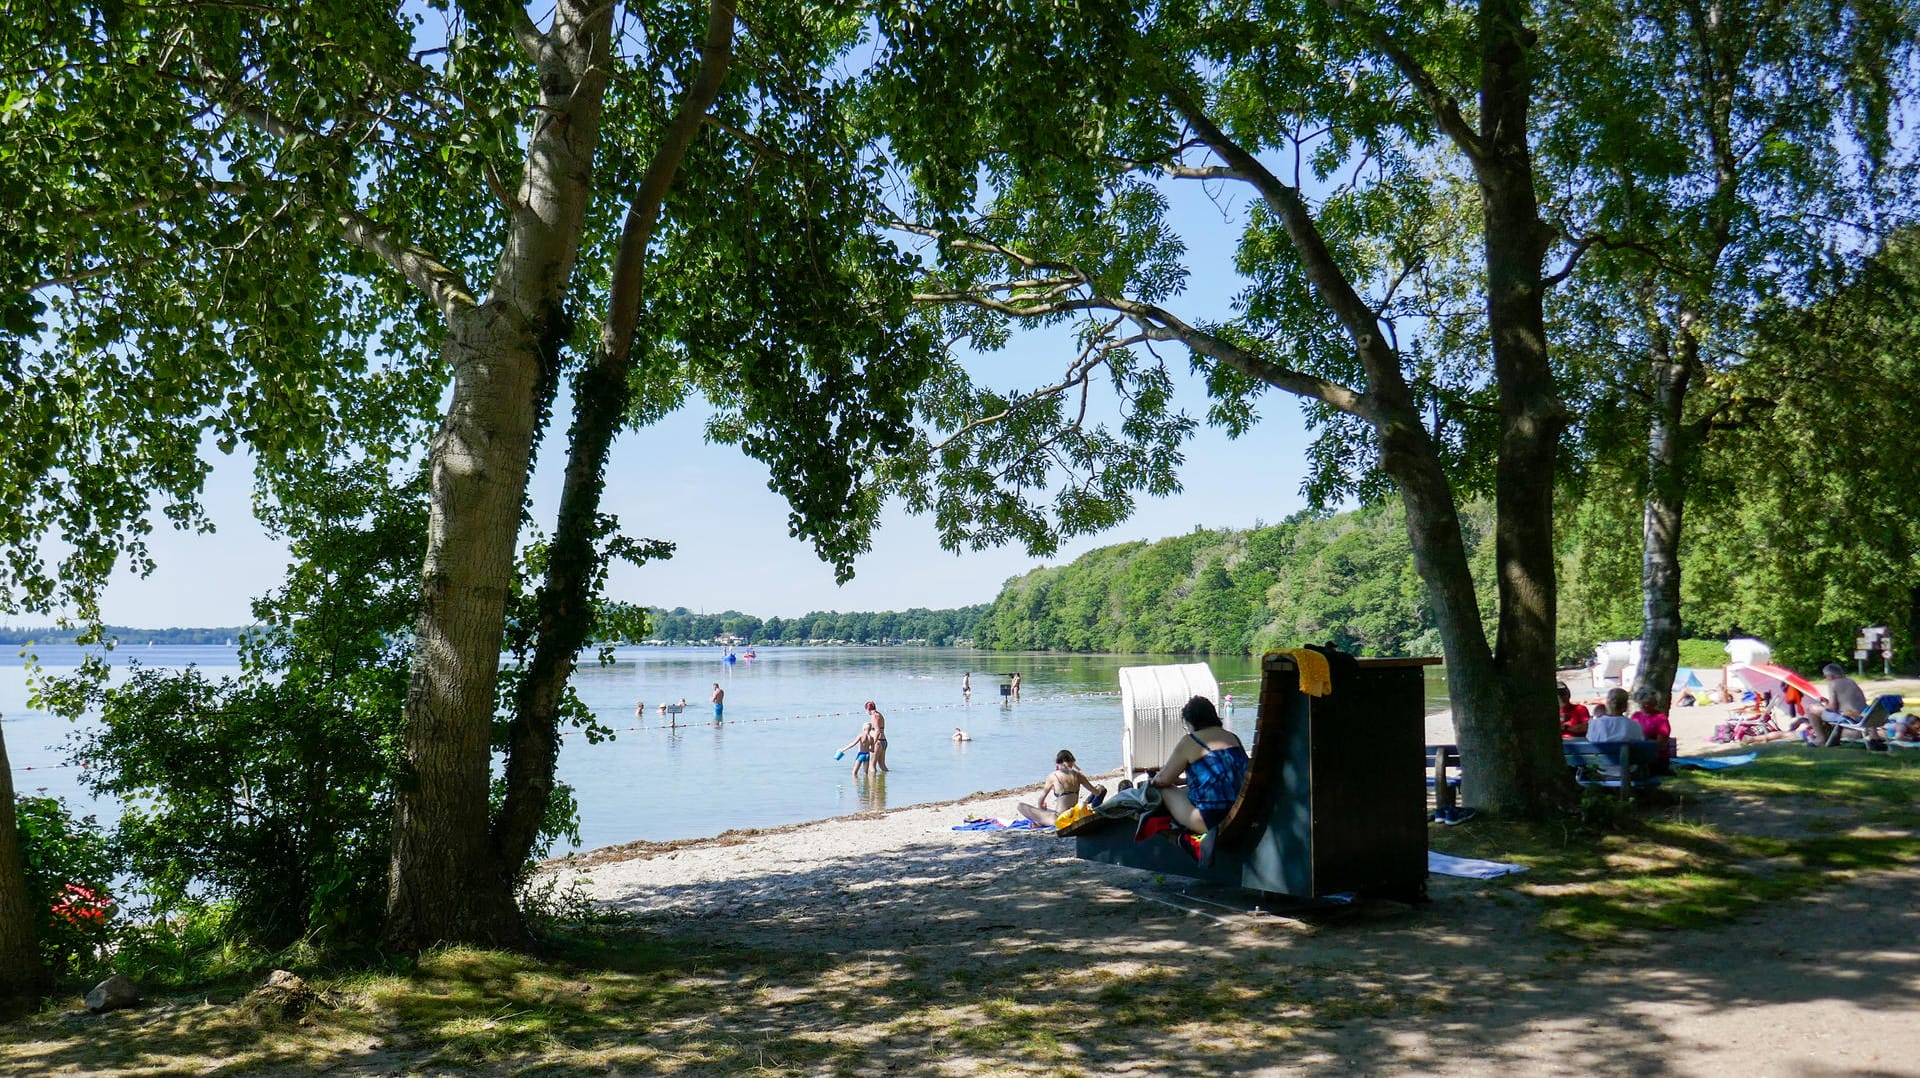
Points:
(1215, 764)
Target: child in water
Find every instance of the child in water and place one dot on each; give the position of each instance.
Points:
(863, 758)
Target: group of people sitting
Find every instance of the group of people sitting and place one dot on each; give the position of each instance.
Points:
(1610, 720)
(1211, 759)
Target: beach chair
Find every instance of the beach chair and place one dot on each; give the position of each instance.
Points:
(1754, 722)
(1867, 725)
(1332, 803)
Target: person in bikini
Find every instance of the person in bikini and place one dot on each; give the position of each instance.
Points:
(1061, 791)
(1215, 764)
(879, 723)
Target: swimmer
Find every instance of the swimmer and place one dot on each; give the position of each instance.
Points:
(961, 735)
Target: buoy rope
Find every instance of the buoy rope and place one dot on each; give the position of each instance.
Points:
(700, 723)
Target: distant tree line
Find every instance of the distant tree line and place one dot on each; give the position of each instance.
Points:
(938, 628)
(124, 636)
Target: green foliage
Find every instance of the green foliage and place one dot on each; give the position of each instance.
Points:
(1824, 534)
(270, 793)
(938, 628)
(1347, 579)
(1050, 151)
(68, 867)
(193, 944)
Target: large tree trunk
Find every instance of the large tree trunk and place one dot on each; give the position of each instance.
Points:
(565, 601)
(1530, 775)
(447, 885)
(1440, 557)
(22, 977)
(1669, 462)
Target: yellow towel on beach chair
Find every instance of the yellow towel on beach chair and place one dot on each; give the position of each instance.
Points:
(1316, 678)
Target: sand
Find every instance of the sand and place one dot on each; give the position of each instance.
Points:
(1468, 983)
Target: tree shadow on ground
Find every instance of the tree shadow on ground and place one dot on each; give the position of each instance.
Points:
(1008, 956)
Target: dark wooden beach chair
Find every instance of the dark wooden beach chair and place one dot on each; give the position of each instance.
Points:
(1333, 803)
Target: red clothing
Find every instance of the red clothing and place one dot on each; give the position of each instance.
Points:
(1657, 729)
(1574, 719)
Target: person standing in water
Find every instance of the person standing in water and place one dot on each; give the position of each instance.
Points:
(863, 746)
(1016, 685)
(966, 683)
(719, 701)
(879, 722)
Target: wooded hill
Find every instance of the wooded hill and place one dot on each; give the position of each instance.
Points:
(1348, 579)
(1343, 578)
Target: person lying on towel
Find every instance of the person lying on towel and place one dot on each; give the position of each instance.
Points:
(1214, 763)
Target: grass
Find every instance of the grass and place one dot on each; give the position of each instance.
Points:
(624, 1000)
(1713, 848)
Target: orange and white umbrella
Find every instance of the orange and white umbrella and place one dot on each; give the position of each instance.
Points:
(1768, 678)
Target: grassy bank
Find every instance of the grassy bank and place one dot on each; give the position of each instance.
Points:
(609, 996)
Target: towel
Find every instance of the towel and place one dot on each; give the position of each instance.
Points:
(1467, 867)
(1316, 679)
(996, 825)
(1714, 763)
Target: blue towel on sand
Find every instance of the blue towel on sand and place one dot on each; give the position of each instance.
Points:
(1714, 763)
(996, 825)
(1467, 868)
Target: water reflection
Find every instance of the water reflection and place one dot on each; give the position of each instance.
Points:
(872, 792)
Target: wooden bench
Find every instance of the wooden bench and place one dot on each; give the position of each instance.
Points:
(1443, 765)
(1624, 765)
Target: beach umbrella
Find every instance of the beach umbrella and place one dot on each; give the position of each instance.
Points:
(1767, 678)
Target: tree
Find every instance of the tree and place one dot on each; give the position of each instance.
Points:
(1709, 157)
(1042, 141)
(22, 976)
(331, 199)
(1823, 538)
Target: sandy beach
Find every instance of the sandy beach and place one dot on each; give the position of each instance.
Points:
(1467, 983)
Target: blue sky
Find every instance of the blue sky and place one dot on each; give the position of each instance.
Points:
(667, 482)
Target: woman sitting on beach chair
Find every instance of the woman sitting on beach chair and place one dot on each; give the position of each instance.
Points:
(1215, 764)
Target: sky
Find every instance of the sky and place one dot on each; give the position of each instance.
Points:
(733, 550)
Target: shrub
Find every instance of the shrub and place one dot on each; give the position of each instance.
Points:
(68, 869)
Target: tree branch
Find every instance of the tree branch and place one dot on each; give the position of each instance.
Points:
(1443, 106)
(441, 283)
(1158, 324)
(643, 212)
(1389, 386)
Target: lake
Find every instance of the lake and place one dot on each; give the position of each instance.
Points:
(771, 762)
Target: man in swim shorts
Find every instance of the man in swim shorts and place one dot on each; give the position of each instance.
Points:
(719, 701)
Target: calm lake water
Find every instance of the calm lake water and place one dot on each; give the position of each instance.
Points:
(771, 762)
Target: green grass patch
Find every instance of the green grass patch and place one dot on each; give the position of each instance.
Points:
(1710, 848)
(1711, 654)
